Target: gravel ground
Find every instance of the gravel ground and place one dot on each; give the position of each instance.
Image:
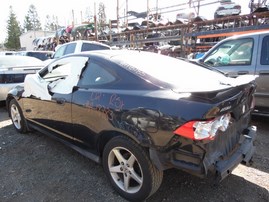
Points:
(34, 167)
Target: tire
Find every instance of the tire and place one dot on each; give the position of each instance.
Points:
(17, 117)
(130, 170)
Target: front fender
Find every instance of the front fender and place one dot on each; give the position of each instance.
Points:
(15, 93)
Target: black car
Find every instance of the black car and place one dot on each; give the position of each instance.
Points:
(140, 113)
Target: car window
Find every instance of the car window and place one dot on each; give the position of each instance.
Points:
(70, 48)
(234, 52)
(265, 51)
(95, 75)
(60, 52)
(90, 47)
(64, 74)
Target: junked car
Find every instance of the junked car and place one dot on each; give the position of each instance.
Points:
(139, 119)
(227, 8)
(244, 54)
(13, 70)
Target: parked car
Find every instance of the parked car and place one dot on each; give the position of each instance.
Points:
(140, 113)
(7, 52)
(13, 70)
(78, 46)
(42, 55)
(227, 8)
(185, 16)
(244, 54)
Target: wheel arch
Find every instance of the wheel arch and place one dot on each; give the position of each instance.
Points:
(106, 136)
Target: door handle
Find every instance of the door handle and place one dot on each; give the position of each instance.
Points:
(243, 72)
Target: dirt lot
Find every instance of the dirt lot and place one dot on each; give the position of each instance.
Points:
(34, 167)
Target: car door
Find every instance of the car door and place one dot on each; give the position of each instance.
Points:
(262, 69)
(48, 95)
(91, 104)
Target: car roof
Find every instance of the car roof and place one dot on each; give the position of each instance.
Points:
(85, 41)
(246, 35)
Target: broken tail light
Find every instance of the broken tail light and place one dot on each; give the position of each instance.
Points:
(201, 130)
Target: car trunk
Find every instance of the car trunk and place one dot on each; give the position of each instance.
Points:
(227, 149)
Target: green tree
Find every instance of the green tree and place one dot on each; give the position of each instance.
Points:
(31, 20)
(51, 23)
(101, 17)
(13, 32)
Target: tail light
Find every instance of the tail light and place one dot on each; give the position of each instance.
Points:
(201, 130)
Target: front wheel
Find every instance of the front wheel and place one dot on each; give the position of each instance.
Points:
(17, 116)
(130, 170)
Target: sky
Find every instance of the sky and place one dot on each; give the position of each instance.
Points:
(63, 9)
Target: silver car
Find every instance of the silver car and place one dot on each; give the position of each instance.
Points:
(244, 54)
(13, 70)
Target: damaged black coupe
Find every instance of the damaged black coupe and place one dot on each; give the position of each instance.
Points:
(139, 114)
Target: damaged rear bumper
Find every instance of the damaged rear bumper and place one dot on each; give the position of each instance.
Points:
(204, 165)
(242, 155)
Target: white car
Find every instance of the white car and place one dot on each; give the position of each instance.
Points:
(13, 70)
(76, 47)
(227, 9)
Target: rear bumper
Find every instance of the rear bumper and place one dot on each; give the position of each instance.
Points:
(203, 165)
(242, 155)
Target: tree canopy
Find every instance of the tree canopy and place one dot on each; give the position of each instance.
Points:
(13, 32)
(31, 20)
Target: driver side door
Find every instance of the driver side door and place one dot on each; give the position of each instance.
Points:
(48, 95)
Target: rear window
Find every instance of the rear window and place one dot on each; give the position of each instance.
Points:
(175, 72)
(91, 47)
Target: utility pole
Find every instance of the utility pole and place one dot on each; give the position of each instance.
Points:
(73, 18)
(118, 17)
(147, 14)
(157, 4)
(95, 23)
(198, 8)
(126, 21)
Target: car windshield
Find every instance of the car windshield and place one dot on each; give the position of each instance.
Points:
(182, 76)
